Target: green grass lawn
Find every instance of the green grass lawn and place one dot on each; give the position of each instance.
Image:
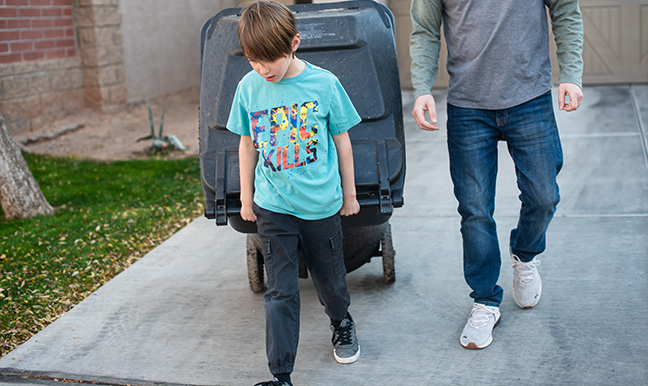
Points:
(107, 216)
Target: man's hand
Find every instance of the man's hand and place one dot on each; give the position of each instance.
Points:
(421, 105)
(574, 93)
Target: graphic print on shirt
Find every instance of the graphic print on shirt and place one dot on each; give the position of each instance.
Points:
(281, 149)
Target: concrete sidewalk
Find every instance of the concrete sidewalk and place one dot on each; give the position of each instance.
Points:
(184, 313)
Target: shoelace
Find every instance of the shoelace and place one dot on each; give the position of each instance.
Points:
(343, 335)
(525, 271)
(480, 316)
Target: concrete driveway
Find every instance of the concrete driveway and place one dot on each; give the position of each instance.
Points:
(184, 313)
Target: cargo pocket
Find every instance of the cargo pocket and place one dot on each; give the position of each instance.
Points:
(337, 255)
(267, 260)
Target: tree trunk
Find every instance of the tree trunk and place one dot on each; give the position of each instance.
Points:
(20, 195)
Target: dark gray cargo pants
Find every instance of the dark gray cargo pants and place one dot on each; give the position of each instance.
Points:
(321, 242)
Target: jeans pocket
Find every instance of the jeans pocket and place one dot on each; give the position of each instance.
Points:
(337, 254)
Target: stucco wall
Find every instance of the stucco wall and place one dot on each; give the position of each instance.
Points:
(162, 44)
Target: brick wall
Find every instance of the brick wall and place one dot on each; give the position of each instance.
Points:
(57, 56)
(36, 30)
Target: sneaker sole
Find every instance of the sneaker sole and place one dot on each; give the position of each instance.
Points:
(346, 361)
(530, 306)
(474, 346)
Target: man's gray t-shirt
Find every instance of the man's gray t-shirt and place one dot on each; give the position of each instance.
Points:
(498, 52)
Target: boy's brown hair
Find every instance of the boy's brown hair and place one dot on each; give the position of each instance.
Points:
(266, 31)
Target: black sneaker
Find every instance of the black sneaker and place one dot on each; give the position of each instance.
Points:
(274, 382)
(345, 342)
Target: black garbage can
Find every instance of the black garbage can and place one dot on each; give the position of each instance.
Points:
(355, 40)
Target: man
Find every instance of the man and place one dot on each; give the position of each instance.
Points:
(500, 89)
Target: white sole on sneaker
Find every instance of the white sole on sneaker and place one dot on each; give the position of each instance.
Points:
(346, 361)
(473, 346)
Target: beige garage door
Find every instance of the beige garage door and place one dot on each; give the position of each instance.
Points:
(616, 41)
(615, 49)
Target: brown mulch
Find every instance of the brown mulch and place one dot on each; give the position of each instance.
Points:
(107, 137)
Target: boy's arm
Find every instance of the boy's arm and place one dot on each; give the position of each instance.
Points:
(350, 203)
(248, 157)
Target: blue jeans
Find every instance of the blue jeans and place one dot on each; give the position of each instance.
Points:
(531, 134)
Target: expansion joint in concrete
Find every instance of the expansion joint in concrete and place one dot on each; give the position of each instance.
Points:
(640, 123)
(23, 377)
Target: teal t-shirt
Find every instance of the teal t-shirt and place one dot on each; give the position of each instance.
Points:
(291, 123)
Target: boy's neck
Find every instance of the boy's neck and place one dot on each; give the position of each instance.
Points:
(296, 67)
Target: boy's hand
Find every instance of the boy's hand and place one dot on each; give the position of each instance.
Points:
(350, 203)
(247, 213)
(350, 206)
(248, 157)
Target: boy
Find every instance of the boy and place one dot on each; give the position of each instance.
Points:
(293, 119)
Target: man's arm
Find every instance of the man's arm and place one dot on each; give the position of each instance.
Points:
(350, 203)
(425, 44)
(567, 26)
(248, 157)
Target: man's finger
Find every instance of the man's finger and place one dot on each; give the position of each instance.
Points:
(419, 116)
(561, 99)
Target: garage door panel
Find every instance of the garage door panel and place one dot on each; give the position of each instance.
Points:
(602, 26)
(644, 35)
(594, 64)
(601, 48)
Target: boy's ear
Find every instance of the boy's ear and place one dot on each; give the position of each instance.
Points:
(295, 42)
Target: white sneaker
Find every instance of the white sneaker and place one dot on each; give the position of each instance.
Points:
(478, 332)
(527, 285)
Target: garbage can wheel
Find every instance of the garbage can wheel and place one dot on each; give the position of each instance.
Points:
(388, 255)
(255, 263)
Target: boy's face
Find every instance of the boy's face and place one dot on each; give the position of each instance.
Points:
(284, 67)
(273, 71)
